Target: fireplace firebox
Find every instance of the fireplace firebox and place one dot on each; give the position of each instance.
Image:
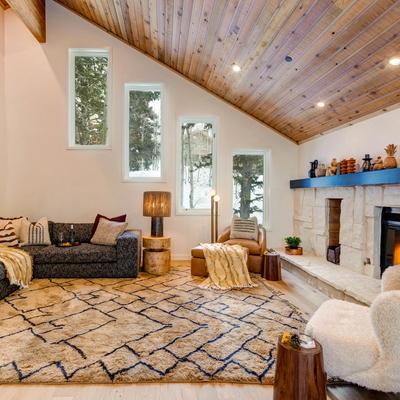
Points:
(390, 238)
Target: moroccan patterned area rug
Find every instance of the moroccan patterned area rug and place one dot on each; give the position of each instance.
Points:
(154, 328)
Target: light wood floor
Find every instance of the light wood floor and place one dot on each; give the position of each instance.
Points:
(300, 294)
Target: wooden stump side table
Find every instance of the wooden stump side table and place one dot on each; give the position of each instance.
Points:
(156, 254)
(300, 374)
(271, 269)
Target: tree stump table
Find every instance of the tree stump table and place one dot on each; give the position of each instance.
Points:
(300, 374)
(156, 254)
(271, 269)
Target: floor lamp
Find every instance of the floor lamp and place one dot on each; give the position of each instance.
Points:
(214, 215)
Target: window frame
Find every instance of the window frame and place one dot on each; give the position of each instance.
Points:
(141, 86)
(196, 119)
(72, 53)
(266, 153)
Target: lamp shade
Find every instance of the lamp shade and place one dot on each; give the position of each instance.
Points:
(157, 204)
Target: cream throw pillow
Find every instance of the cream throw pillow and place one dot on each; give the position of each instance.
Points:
(32, 234)
(244, 228)
(107, 232)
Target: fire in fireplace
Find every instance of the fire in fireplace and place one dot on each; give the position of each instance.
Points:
(390, 239)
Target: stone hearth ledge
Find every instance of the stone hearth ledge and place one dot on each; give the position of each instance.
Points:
(337, 281)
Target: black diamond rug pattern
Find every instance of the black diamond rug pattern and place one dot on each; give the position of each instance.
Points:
(153, 328)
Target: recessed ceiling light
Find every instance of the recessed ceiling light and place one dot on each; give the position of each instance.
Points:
(288, 59)
(320, 104)
(236, 68)
(394, 61)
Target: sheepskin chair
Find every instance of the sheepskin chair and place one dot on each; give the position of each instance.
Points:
(362, 344)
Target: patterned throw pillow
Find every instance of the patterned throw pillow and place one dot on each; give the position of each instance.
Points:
(8, 236)
(120, 218)
(16, 222)
(242, 228)
(107, 232)
(35, 233)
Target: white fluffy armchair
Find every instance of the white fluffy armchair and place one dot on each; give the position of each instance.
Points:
(362, 344)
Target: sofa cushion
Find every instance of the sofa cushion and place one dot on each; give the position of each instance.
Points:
(253, 246)
(85, 253)
(120, 218)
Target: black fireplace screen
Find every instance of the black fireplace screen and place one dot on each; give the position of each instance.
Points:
(390, 239)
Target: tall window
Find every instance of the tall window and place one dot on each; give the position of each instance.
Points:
(197, 163)
(249, 184)
(143, 132)
(89, 93)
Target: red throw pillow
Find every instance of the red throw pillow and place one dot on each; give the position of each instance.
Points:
(120, 218)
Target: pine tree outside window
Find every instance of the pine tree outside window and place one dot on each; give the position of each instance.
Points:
(197, 166)
(143, 159)
(250, 184)
(89, 92)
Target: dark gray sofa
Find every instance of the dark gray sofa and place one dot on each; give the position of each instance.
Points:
(84, 261)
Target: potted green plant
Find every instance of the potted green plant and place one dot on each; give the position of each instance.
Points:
(293, 246)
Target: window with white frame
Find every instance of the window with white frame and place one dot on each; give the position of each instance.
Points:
(143, 159)
(89, 91)
(249, 171)
(197, 164)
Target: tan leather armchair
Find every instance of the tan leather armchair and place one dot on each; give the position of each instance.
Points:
(256, 248)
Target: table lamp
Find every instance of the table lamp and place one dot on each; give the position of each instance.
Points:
(157, 205)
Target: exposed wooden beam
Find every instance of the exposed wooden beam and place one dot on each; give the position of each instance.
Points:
(4, 5)
(33, 14)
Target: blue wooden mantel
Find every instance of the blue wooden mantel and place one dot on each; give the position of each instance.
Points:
(382, 177)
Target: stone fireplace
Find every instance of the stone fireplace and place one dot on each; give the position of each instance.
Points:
(390, 237)
(360, 228)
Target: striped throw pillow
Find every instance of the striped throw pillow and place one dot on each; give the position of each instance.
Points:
(242, 228)
(8, 236)
(35, 233)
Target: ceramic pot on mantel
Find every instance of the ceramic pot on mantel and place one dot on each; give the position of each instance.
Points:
(294, 251)
(390, 161)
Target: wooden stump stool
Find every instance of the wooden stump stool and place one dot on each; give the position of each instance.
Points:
(156, 254)
(300, 374)
(271, 270)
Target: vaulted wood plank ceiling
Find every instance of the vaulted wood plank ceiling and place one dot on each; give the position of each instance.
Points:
(339, 50)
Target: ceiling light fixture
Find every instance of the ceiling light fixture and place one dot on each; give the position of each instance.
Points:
(394, 61)
(236, 67)
(320, 104)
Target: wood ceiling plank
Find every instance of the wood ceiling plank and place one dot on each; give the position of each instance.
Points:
(33, 14)
(195, 21)
(372, 84)
(208, 6)
(258, 73)
(376, 51)
(279, 17)
(227, 30)
(161, 12)
(340, 49)
(347, 45)
(379, 105)
(153, 23)
(4, 5)
(205, 60)
(176, 32)
(305, 59)
(280, 69)
(224, 77)
(311, 24)
(184, 33)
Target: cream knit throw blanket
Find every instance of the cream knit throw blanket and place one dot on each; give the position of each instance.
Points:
(227, 266)
(18, 265)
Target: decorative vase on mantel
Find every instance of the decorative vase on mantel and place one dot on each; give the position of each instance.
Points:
(390, 161)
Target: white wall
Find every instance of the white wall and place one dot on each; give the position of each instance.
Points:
(73, 185)
(2, 114)
(369, 136)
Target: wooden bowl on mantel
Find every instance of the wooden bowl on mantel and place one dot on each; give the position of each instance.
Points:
(298, 251)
